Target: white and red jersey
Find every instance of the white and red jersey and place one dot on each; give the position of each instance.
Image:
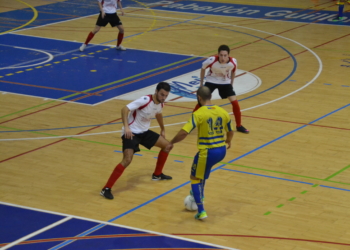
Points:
(220, 73)
(109, 6)
(142, 111)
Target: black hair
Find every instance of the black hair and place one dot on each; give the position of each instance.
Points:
(225, 48)
(163, 85)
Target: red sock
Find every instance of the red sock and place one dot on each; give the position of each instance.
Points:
(88, 39)
(162, 156)
(236, 112)
(117, 172)
(195, 108)
(120, 38)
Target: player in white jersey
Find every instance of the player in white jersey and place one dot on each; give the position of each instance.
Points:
(221, 74)
(136, 118)
(108, 14)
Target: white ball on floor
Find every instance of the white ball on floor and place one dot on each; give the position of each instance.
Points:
(190, 203)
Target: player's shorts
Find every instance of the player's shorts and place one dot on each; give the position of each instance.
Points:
(225, 90)
(205, 159)
(113, 19)
(147, 139)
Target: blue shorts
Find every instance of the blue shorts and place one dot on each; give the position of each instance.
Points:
(205, 159)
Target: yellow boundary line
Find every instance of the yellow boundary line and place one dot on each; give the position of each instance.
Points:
(32, 20)
(152, 25)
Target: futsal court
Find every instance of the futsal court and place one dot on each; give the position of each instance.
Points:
(285, 185)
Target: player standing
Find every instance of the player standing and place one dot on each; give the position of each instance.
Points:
(108, 14)
(212, 123)
(222, 70)
(136, 118)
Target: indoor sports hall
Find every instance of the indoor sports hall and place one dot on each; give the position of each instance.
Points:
(285, 185)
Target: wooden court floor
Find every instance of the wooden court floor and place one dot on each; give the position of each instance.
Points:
(286, 185)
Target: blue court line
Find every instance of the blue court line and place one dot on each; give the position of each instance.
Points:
(268, 176)
(220, 167)
(343, 189)
(178, 161)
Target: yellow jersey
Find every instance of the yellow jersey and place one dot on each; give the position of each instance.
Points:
(212, 122)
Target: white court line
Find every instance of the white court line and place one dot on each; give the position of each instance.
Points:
(117, 225)
(32, 65)
(72, 136)
(45, 98)
(36, 232)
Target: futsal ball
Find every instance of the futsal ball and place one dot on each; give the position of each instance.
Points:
(190, 203)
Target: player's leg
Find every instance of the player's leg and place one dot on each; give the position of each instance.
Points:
(120, 38)
(202, 165)
(130, 146)
(341, 4)
(197, 175)
(151, 139)
(89, 37)
(117, 172)
(212, 87)
(116, 22)
(101, 22)
(162, 157)
(226, 91)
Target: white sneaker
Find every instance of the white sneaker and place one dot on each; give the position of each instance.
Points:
(82, 47)
(120, 47)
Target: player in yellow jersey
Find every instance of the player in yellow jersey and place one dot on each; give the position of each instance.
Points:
(212, 122)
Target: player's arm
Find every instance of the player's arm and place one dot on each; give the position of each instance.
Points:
(103, 14)
(127, 132)
(229, 130)
(233, 73)
(189, 126)
(159, 118)
(229, 136)
(202, 75)
(120, 7)
(179, 137)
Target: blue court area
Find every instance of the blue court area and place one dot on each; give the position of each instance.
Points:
(31, 229)
(56, 69)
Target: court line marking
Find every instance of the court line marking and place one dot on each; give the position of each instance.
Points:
(26, 24)
(268, 237)
(333, 175)
(116, 225)
(51, 88)
(36, 232)
(32, 65)
(267, 176)
(225, 163)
